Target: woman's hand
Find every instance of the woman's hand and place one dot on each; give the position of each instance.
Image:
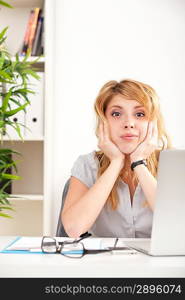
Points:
(106, 145)
(149, 145)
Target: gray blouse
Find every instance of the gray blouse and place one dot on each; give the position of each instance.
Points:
(127, 221)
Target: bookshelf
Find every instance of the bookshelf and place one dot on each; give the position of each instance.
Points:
(27, 3)
(24, 197)
(32, 58)
(31, 196)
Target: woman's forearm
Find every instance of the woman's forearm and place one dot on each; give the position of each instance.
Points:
(148, 183)
(82, 214)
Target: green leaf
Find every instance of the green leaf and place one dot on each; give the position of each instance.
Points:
(6, 80)
(2, 59)
(32, 73)
(18, 130)
(4, 200)
(14, 111)
(6, 151)
(23, 91)
(5, 75)
(5, 215)
(5, 101)
(1, 42)
(5, 4)
(26, 99)
(2, 124)
(6, 207)
(27, 56)
(9, 165)
(2, 33)
(10, 176)
(5, 184)
(17, 57)
(2, 190)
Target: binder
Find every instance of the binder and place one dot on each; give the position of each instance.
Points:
(11, 133)
(23, 251)
(34, 116)
(32, 245)
(18, 118)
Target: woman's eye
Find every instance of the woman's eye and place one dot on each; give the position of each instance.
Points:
(115, 114)
(140, 114)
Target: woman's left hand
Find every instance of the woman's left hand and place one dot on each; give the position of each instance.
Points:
(149, 145)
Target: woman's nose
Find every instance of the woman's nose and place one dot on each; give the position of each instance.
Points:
(128, 124)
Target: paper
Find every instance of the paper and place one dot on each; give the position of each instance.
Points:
(33, 244)
(26, 243)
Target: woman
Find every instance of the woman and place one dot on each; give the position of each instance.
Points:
(112, 191)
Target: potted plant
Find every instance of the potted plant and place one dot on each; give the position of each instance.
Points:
(15, 74)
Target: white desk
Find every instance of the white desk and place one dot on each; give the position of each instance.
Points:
(99, 265)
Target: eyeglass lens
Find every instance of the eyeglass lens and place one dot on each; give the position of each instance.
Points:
(75, 250)
(49, 245)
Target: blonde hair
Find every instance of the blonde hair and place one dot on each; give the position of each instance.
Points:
(145, 95)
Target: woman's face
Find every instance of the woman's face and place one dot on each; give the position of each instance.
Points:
(127, 123)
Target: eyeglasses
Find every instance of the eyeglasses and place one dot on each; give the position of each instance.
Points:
(51, 245)
(72, 249)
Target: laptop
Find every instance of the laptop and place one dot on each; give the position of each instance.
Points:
(168, 230)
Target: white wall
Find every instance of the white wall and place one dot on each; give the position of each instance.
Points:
(100, 40)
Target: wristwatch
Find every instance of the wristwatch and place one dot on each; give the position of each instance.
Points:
(139, 162)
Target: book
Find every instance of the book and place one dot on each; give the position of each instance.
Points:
(27, 33)
(37, 47)
(33, 28)
(30, 31)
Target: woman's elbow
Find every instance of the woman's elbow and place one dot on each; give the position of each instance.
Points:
(71, 228)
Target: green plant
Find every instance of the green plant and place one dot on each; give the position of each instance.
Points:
(14, 80)
(6, 162)
(15, 74)
(5, 4)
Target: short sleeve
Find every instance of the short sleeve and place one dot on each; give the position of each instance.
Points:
(85, 169)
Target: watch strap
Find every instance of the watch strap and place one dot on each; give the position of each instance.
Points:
(139, 162)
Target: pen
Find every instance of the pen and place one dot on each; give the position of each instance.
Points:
(115, 242)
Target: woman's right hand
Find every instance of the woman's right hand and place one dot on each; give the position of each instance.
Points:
(106, 145)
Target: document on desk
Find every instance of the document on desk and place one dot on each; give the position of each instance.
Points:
(25, 244)
(33, 244)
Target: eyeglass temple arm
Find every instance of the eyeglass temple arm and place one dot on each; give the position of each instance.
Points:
(93, 251)
(84, 236)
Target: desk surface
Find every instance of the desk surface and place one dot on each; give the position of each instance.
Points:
(99, 265)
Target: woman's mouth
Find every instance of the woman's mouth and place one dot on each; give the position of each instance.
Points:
(128, 137)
